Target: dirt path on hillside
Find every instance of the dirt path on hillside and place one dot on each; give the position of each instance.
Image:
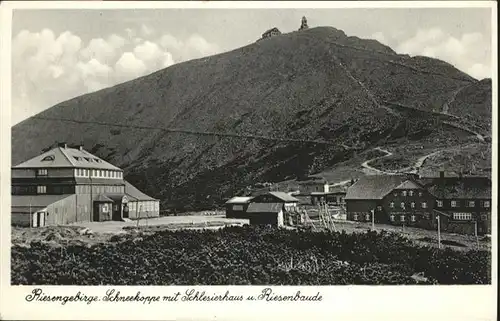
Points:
(446, 105)
(370, 170)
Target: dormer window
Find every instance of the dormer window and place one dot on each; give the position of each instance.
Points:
(76, 158)
(48, 158)
(87, 159)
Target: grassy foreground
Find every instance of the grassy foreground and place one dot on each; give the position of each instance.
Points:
(248, 255)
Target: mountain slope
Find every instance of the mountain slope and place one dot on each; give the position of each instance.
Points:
(313, 85)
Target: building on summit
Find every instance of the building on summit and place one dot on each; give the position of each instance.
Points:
(303, 24)
(66, 185)
(271, 33)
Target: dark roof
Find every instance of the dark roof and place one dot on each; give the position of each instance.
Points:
(119, 197)
(265, 207)
(337, 189)
(374, 187)
(103, 198)
(36, 200)
(313, 182)
(132, 191)
(284, 196)
(271, 30)
(465, 188)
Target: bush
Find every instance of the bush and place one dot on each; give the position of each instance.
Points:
(249, 255)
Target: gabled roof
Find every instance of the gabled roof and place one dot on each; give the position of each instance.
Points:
(119, 197)
(265, 207)
(408, 185)
(464, 188)
(374, 187)
(319, 181)
(132, 191)
(271, 30)
(103, 198)
(67, 157)
(284, 196)
(239, 200)
(337, 190)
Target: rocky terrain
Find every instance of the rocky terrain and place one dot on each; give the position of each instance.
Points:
(306, 102)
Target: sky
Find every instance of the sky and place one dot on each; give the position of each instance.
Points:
(58, 54)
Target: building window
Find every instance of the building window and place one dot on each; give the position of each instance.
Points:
(472, 204)
(392, 205)
(454, 204)
(48, 158)
(395, 194)
(420, 194)
(413, 218)
(424, 204)
(41, 189)
(42, 172)
(410, 193)
(392, 218)
(486, 204)
(404, 193)
(462, 216)
(439, 203)
(93, 173)
(379, 208)
(402, 217)
(355, 217)
(367, 217)
(237, 207)
(403, 205)
(412, 204)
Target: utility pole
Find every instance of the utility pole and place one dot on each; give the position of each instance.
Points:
(475, 233)
(439, 230)
(373, 220)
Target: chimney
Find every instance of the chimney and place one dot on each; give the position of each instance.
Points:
(63, 145)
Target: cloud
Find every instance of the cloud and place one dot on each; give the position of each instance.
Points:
(202, 46)
(99, 49)
(129, 66)
(95, 75)
(468, 52)
(49, 68)
(148, 51)
(147, 31)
